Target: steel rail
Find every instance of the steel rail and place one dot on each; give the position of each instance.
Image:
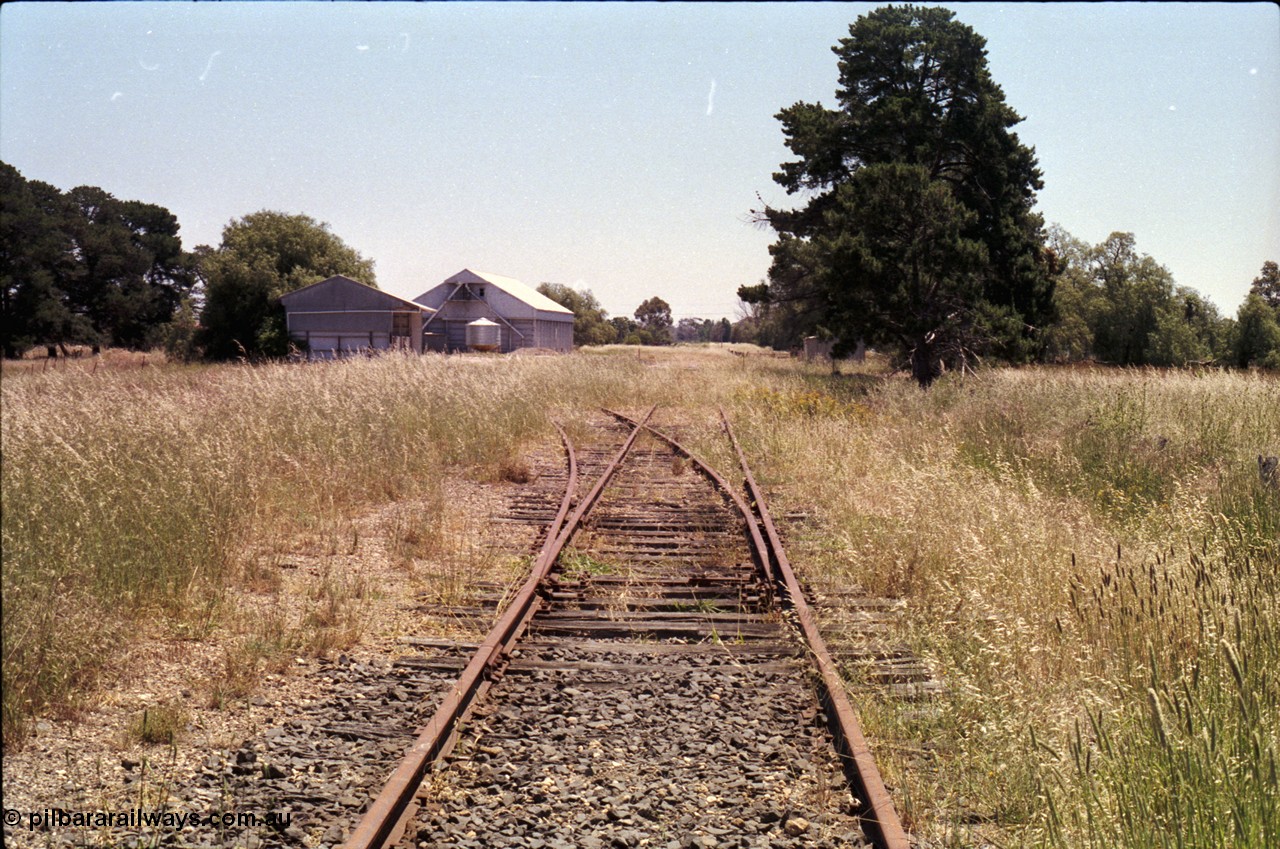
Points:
(880, 814)
(571, 526)
(386, 818)
(758, 545)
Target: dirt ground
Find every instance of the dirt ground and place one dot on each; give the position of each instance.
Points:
(94, 761)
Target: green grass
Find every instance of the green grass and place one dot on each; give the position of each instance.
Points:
(702, 606)
(1189, 755)
(579, 563)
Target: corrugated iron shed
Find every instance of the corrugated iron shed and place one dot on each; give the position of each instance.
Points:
(340, 316)
(528, 318)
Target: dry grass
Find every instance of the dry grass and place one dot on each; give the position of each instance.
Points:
(159, 724)
(133, 492)
(1088, 558)
(1074, 547)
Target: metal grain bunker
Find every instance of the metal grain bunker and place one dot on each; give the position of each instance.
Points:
(340, 316)
(525, 317)
(484, 335)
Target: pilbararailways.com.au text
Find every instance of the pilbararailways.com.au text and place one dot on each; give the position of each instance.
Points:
(49, 818)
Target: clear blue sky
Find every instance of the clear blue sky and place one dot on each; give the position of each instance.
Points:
(614, 146)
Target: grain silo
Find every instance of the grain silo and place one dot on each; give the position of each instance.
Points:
(482, 335)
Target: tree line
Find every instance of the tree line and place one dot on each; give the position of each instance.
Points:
(918, 234)
(1116, 305)
(650, 325)
(1111, 305)
(85, 268)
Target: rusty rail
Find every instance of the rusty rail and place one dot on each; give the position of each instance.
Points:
(758, 545)
(880, 814)
(387, 817)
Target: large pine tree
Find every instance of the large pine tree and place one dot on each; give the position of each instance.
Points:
(918, 234)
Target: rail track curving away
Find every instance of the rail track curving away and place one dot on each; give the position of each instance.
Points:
(658, 680)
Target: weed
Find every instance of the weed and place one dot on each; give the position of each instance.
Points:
(333, 619)
(702, 606)
(575, 562)
(515, 470)
(158, 724)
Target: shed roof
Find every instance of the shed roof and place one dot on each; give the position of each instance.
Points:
(340, 282)
(512, 287)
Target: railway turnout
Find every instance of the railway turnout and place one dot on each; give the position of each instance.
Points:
(658, 680)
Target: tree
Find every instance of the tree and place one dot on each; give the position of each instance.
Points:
(1211, 329)
(783, 312)
(1076, 298)
(702, 330)
(654, 318)
(181, 333)
(1135, 289)
(34, 255)
(1174, 341)
(133, 273)
(1267, 284)
(918, 234)
(590, 323)
(689, 330)
(624, 328)
(902, 268)
(263, 256)
(85, 267)
(1123, 307)
(1257, 338)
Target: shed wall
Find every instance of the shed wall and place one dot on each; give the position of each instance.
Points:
(341, 315)
(521, 325)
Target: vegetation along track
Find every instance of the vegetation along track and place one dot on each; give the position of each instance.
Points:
(646, 686)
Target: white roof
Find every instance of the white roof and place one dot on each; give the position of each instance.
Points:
(512, 287)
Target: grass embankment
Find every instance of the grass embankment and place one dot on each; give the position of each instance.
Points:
(137, 495)
(1092, 563)
(1088, 558)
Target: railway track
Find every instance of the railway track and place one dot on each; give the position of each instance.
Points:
(658, 680)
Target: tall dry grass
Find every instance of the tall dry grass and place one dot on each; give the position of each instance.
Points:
(132, 495)
(1089, 560)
